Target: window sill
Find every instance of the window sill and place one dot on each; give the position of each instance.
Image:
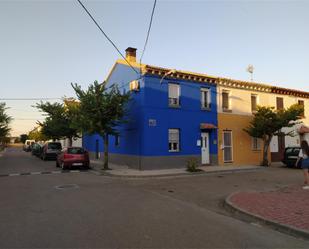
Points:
(227, 110)
(206, 109)
(175, 106)
(173, 151)
(228, 162)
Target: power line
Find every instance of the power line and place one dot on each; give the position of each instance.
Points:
(106, 36)
(26, 99)
(148, 32)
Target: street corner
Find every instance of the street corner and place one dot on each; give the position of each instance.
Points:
(285, 209)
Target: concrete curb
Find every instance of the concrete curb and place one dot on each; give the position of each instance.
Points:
(184, 174)
(276, 225)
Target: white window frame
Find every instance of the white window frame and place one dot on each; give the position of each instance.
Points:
(256, 144)
(173, 101)
(203, 92)
(173, 142)
(231, 146)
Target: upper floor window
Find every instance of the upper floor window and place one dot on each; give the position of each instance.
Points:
(173, 140)
(302, 103)
(280, 105)
(226, 101)
(173, 95)
(205, 98)
(253, 102)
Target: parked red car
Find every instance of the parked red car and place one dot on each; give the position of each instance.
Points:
(72, 157)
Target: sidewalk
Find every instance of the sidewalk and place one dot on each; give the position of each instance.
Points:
(286, 209)
(124, 171)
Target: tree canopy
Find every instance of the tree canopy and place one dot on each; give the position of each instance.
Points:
(101, 110)
(268, 122)
(60, 120)
(5, 121)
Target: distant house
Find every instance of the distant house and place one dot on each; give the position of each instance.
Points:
(177, 115)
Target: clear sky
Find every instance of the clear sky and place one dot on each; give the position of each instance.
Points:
(46, 45)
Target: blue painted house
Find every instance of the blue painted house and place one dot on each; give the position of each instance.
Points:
(172, 117)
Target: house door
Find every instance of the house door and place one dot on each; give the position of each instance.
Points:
(277, 155)
(205, 147)
(227, 147)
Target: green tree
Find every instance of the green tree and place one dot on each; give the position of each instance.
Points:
(59, 122)
(37, 135)
(101, 110)
(23, 138)
(268, 122)
(5, 121)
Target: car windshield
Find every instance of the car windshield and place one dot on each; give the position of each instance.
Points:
(76, 151)
(289, 150)
(54, 146)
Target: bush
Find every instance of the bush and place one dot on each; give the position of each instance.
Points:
(192, 165)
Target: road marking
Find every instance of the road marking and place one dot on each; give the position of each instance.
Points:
(35, 173)
(14, 174)
(45, 172)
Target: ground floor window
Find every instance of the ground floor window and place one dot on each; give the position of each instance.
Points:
(256, 143)
(173, 140)
(227, 146)
(117, 140)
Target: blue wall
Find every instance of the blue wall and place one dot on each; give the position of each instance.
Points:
(151, 102)
(187, 118)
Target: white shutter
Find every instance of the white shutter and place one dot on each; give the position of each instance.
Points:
(173, 91)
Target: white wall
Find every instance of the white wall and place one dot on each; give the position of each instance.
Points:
(65, 142)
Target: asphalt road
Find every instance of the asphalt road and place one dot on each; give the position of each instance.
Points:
(92, 211)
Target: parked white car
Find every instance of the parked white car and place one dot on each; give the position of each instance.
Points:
(27, 145)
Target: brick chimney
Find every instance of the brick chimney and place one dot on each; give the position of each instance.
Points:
(131, 54)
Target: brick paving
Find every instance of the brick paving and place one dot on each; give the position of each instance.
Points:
(287, 206)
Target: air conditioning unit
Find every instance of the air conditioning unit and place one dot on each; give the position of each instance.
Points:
(134, 85)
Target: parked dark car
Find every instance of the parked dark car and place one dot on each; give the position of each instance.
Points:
(290, 156)
(72, 157)
(36, 149)
(50, 150)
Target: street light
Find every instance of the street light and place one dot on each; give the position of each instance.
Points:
(167, 74)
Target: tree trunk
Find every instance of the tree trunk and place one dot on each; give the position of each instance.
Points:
(70, 141)
(265, 151)
(105, 165)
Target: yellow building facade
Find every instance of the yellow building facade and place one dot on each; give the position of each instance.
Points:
(237, 101)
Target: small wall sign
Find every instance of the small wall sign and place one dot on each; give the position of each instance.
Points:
(152, 122)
